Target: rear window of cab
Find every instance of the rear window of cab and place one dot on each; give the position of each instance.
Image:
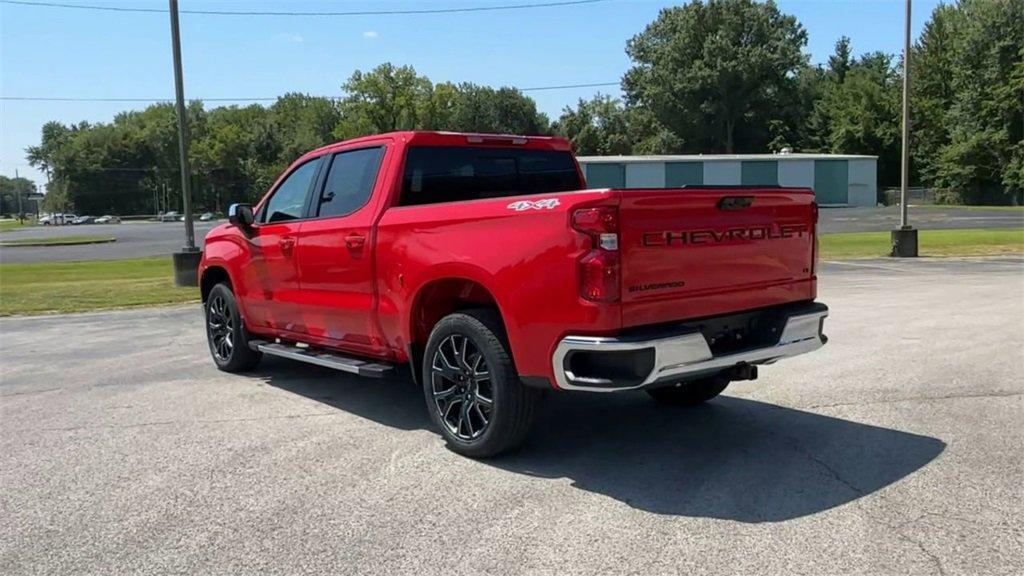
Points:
(436, 174)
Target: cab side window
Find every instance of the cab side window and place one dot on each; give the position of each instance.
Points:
(349, 181)
(289, 200)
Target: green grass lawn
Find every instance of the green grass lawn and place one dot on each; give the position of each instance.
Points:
(92, 285)
(930, 243)
(6, 225)
(56, 241)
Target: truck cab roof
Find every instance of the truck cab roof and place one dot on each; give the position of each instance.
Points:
(441, 138)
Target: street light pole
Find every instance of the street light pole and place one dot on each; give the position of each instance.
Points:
(904, 240)
(186, 262)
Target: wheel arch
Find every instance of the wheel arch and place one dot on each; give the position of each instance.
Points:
(212, 276)
(439, 298)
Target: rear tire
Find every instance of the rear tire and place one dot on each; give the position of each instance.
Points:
(473, 392)
(225, 332)
(690, 393)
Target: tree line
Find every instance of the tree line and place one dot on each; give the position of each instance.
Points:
(722, 76)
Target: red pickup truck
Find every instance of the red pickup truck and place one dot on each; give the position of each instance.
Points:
(483, 264)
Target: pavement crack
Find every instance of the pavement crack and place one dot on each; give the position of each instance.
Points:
(795, 445)
(832, 472)
(928, 553)
(31, 392)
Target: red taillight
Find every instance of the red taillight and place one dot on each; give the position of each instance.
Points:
(595, 221)
(599, 276)
(814, 246)
(599, 268)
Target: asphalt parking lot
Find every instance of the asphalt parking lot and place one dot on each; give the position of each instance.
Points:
(896, 449)
(142, 239)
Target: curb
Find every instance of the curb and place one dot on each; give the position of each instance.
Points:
(70, 243)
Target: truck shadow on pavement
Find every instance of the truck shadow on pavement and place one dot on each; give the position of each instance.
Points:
(732, 458)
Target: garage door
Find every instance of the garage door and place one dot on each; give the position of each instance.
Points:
(831, 181)
(606, 176)
(679, 174)
(760, 173)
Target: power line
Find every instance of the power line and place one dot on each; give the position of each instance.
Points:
(567, 86)
(256, 99)
(59, 99)
(283, 13)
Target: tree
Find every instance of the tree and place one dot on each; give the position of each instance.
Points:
(810, 122)
(238, 156)
(980, 162)
(470, 107)
(714, 73)
(386, 99)
(302, 123)
(599, 126)
(839, 62)
(54, 136)
(864, 113)
(932, 96)
(56, 199)
(130, 165)
(14, 195)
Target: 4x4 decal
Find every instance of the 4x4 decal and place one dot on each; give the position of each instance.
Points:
(546, 203)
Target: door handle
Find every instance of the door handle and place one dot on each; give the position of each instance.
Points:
(355, 241)
(286, 244)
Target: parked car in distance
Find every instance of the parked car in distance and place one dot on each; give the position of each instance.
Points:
(171, 216)
(108, 219)
(57, 219)
(206, 217)
(84, 220)
(484, 264)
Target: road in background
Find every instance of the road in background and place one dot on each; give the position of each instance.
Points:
(886, 218)
(142, 239)
(134, 240)
(896, 449)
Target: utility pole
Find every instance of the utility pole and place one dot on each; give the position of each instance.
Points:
(21, 214)
(904, 240)
(186, 262)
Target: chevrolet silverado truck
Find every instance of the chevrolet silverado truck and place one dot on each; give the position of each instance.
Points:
(482, 263)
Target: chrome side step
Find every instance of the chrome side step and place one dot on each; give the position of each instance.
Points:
(327, 359)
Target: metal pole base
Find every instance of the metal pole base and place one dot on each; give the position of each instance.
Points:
(186, 267)
(904, 242)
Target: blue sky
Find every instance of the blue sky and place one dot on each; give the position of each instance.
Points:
(50, 52)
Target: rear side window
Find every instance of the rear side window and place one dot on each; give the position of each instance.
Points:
(289, 199)
(450, 174)
(349, 181)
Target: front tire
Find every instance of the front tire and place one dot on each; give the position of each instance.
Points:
(690, 393)
(471, 387)
(225, 332)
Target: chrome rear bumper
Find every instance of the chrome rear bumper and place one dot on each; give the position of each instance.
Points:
(681, 356)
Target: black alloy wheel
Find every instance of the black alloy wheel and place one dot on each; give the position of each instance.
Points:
(221, 326)
(473, 392)
(225, 332)
(461, 387)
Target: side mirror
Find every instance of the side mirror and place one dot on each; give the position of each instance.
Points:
(240, 215)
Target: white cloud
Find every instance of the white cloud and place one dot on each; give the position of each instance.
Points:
(293, 38)
(371, 34)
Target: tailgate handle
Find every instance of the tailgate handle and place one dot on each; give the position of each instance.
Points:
(735, 202)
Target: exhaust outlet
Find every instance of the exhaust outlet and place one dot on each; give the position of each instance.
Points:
(743, 372)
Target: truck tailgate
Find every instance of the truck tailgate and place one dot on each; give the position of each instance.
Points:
(688, 253)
